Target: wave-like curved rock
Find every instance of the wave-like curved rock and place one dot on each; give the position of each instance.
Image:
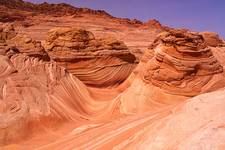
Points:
(96, 62)
(23, 95)
(37, 95)
(182, 63)
(194, 124)
(44, 103)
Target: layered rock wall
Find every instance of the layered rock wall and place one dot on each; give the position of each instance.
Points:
(182, 63)
(96, 62)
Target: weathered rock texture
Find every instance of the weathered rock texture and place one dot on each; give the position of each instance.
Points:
(212, 39)
(182, 63)
(97, 62)
(79, 88)
(36, 95)
(13, 42)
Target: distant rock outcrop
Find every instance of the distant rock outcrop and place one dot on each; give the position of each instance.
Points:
(7, 15)
(46, 8)
(212, 39)
(153, 23)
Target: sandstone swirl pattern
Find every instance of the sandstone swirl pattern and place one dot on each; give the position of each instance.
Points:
(77, 91)
(97, 62)
(36, 92)
(182, 63)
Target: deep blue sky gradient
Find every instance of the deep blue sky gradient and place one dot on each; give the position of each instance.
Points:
(197, 15)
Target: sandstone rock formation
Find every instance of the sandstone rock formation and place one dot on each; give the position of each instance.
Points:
(7, 32)
(182, 63)
(37, 19)
(96, 62)
(82, 87)
(154, 23)
(6, 15)
(26, 45)
(46, 8)
(12, 42)
(199, 124)
(212, 39)
(36, 96)
(177, 66)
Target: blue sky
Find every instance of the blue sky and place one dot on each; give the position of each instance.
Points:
(197, 15)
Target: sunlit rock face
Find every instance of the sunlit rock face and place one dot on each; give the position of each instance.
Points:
(182, 63)
(25, 83)
(212, 39)
(82, 88)
(96, 62)
(36, 94)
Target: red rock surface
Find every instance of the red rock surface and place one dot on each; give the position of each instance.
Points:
(182, 63)
(86, 80)
(212, 39)
(96, 62)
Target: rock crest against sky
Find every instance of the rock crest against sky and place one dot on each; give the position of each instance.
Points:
(199, 15)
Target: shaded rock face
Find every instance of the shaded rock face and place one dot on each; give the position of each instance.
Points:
(7, 32)
(91, 60)
(6, 15)
(182, 63)
(212, 39)
(12, 42)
